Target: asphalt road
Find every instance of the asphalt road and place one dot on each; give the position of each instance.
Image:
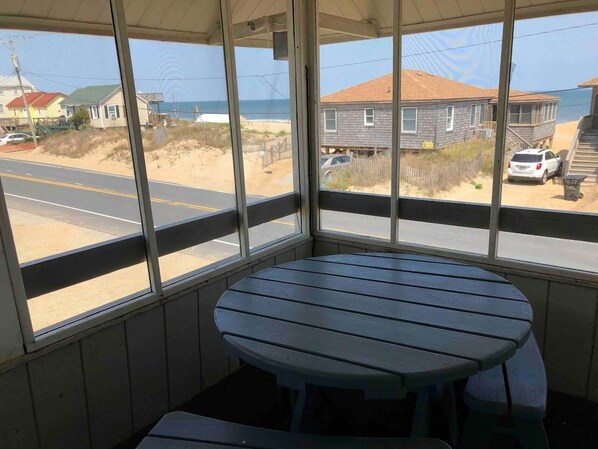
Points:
(108, 203)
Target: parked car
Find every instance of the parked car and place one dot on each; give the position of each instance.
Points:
(13, 138)
(330, 163)
(534, 164)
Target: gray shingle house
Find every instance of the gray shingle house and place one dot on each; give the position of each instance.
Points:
(436, 112)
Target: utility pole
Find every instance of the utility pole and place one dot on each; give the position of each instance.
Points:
(15, 62)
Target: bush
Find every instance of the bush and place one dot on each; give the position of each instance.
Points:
(81, 117)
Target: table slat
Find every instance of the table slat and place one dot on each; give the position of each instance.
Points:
(437, 298)
(310, 368)
(425, 281)
(472, 323)
(411, 266)
(426, 338)
(415, 367)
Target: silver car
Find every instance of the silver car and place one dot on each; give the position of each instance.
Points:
(329, 164)
(13, 138)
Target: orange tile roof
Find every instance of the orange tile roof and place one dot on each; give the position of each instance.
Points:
(420, 86)
(34, 99)
(520, 96)
(590, 83)
(416, 85)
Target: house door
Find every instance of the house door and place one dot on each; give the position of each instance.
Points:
(595, 113)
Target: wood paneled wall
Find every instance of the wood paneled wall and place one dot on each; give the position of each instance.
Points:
(98, 390)
(565, 324)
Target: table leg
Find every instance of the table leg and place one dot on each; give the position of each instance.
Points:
(446, 393)
(298, 405)
(421, 420)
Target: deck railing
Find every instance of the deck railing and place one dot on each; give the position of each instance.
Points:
(584, 123)
(514, 142)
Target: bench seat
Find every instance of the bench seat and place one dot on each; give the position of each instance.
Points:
(516, 390)
(180, 430)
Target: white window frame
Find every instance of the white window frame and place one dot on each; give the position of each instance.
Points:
(326, 129)
(473, 110)
(114, 108)
(403, 131)
(95, 112)
(366, 116)
(450, 118)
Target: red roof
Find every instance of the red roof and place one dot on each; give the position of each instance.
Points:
(35, 99)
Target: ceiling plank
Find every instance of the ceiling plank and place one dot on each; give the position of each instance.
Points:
(348, 26)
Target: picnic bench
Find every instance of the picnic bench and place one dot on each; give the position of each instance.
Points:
(515, 392)
(180, 430)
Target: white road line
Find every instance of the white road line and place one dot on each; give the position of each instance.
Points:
(226, 243)
(98, 214)
(74, 208)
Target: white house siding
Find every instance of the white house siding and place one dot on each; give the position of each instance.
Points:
(117, 99)
(431, 126)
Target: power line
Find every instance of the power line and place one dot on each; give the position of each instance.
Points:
(370, 61)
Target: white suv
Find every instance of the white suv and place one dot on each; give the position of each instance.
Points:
(535, 165)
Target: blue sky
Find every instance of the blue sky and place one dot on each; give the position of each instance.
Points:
(564, 54)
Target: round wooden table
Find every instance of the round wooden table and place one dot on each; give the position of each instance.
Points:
(380, 322)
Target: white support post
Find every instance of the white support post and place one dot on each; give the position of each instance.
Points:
(313, 107)
(235, 124)
(501, 125)
(397, 38)
(15, 321)
(132, 113)
(296, 13)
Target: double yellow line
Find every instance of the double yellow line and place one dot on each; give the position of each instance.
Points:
(119, 194)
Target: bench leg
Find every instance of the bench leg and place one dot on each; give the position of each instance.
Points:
(478, 430)
(531, 434)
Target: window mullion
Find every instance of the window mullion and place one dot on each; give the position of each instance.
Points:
(235, 124)
(15, 321)
(134, 128)
(397, 119)
(501, 124)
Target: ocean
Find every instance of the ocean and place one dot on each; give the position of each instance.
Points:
(572, 105)
(249, 109)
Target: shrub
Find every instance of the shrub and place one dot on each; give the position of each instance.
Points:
(81, 117)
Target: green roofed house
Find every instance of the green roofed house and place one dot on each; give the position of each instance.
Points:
(105, 105)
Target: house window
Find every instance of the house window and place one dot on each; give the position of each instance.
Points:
(112, 111)
(472, 115)
(330, 120)
(368, 117)
(482, 113)
(520, 114)
(450, 118)
(1, 91)
(1, 109)
(15, 92)
(409, 120)
(95, 113)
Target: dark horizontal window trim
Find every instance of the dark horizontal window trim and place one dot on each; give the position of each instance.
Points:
(544, 223)
(73, 267)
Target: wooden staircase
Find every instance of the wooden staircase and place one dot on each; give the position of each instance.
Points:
(585, 161)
